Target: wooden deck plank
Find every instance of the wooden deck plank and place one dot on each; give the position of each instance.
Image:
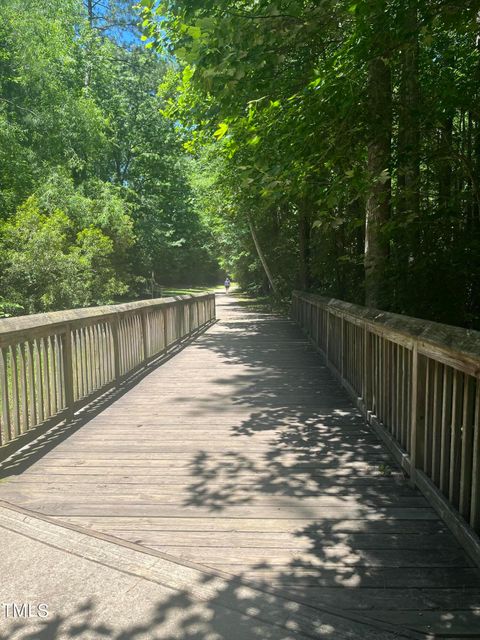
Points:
(243, 454)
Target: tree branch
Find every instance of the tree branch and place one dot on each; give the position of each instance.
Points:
(282, 16)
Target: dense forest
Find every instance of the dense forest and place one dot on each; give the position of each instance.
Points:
(331, 145)
(346, 139)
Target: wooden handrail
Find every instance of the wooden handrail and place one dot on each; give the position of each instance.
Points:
(53, 364)
(418, 384)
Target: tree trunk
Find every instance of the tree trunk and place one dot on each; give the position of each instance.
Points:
(262, 257)
(445, 168)
(408, 120)
(304, 232)
(90, 12)
(379, 156)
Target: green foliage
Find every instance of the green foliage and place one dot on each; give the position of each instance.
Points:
(279, 104)
(44, 269)
(94, 187)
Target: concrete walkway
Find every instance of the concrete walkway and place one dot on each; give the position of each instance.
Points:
(233, 493)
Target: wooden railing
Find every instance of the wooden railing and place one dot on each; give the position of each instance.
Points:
(418, 384)
(53, 364)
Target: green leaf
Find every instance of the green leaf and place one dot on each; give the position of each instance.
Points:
(221, 131)
(194, 32)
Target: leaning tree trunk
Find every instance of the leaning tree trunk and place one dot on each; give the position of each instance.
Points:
(261, 255)
(379, 156)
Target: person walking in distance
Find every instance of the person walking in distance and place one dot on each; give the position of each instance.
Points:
(227, 284)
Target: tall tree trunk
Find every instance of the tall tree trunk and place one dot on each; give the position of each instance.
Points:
(408, 116)
(261, 255)
(379, 156)
(407, 245)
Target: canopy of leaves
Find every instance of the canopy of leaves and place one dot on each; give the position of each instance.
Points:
(279, 106)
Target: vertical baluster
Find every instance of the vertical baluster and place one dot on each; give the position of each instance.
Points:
(90, 358)
(398, 392)
(386, 381)
(31, 385)
(99, 354)
(83, 363)
(76, 363)
(24, 388)
(124, 343)
(5, 433)
(164, 336)
(121, 339)
(130, 341)
(15, 414)
(379, 377)
(367, 369)
(54, 373)
(427, 436)
(67, 370)
(145, 335)
(140, 343)
(467, 447)
(114, 327)
(104, 351)
(418, 411)
(446, 426)
(393, 390)
(83, 355)
(374, 374)
(437, 421)
(39, 380)
(475, 495)
(45, 355)
(402, 401)
(455, 438)
(60, 374)
(96, 356)
(110, 352)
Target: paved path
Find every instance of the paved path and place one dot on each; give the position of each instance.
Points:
(243, 456)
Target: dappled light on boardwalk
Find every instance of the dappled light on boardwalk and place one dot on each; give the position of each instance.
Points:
(243, 455)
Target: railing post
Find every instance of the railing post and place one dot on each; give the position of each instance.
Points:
(116, 348)
(146, 349)
(190, 317)
(327, 349)
(367, 370)
(342, 347)
(165, 328)
(475, 496)
(68, 371)
(417, 412)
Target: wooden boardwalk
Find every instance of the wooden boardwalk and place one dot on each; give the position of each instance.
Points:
(244, 455)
